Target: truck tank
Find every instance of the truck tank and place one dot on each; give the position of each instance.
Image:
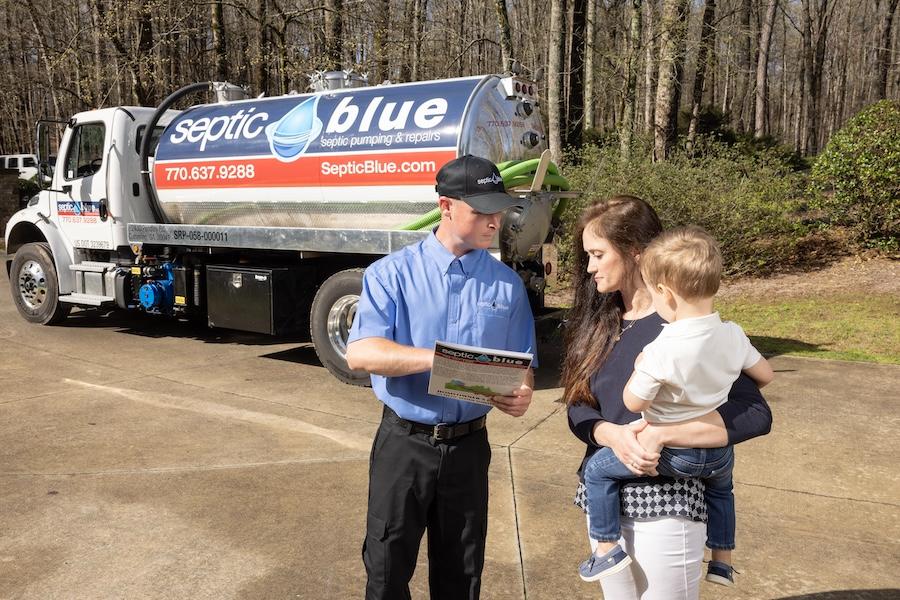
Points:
(358, 158)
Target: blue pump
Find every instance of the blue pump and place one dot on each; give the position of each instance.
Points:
(158, 295)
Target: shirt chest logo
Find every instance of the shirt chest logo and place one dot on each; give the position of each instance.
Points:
(492, 307)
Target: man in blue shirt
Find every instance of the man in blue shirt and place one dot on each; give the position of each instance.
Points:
(430, 458)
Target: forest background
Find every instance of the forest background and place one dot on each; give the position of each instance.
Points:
(775, 124)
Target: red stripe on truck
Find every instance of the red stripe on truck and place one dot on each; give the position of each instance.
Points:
(327, 170)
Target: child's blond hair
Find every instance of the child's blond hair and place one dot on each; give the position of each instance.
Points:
(686, 259)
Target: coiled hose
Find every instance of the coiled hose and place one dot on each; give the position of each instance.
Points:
(515, 173)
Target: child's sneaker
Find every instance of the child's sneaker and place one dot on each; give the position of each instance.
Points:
(721, 573)
(597, 567)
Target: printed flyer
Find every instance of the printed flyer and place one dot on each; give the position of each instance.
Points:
(475, 374)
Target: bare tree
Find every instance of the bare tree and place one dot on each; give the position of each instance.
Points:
(554, 78)
(634, 50)
(590, 33)
(334, 38)
(673, 30)
(886, 8)
(707, 39)
(506, 48)
(762, 69)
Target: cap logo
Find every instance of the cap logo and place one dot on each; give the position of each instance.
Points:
(494, 178)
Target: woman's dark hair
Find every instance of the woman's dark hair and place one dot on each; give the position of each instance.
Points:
(628, 224)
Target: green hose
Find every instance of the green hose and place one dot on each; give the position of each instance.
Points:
(515, 173)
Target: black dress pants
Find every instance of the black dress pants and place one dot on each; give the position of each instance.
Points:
(416, 483)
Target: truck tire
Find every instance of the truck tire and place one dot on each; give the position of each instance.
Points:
(35, 286)
(330, 318)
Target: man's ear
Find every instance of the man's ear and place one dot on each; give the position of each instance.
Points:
(444, 204)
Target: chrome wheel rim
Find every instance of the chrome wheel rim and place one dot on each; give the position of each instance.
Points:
(32, 285)
(340, 319)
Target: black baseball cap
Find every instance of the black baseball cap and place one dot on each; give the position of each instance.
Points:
(477, 182)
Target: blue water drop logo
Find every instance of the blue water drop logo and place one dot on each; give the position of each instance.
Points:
(290, 136)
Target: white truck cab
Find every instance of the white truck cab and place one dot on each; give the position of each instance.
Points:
(95, 191)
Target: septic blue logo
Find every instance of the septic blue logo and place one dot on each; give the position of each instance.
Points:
(290, 136)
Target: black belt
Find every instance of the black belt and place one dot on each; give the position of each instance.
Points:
(441, 432)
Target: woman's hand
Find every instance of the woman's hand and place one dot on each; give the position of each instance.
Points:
(623, 441)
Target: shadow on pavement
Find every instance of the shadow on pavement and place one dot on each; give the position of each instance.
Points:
(884, 594)
(158, 326)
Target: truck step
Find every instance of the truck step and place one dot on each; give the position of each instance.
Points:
(89, 266)
(87, 299)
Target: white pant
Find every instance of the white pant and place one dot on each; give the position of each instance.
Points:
(667, 556)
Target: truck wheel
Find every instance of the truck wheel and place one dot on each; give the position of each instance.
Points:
(330, 318)
(35, 287)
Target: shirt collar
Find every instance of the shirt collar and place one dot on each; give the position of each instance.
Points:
(693, 325)
(444, 258)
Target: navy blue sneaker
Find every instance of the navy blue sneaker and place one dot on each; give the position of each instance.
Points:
(598, 567)
(721, 573)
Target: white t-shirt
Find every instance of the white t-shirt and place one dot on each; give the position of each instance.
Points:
(688, 369)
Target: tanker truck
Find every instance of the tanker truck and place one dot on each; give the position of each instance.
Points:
(261, 214)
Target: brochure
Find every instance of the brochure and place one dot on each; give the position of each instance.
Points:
(475, 374)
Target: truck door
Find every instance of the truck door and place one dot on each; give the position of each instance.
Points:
(81, 205)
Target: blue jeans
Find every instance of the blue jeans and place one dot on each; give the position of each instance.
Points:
(604, 472)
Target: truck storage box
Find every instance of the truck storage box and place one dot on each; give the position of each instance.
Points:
(263, 300)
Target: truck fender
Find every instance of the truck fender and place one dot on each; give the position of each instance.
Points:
(25, 230)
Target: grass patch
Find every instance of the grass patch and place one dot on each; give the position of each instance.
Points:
(842, 327)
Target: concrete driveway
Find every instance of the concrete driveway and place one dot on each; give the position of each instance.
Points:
(142, 458)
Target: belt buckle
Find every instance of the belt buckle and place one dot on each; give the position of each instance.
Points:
(442, 432)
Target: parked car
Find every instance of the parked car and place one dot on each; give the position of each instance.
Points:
(26, 164)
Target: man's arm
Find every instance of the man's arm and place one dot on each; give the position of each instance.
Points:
(381, 356)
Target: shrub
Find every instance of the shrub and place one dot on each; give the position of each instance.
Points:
(748, 201)
(857, 177)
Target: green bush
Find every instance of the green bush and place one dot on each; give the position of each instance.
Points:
(749, 201)
(857, 177)
(27, 188)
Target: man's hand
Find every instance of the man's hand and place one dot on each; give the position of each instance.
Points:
(514, 405)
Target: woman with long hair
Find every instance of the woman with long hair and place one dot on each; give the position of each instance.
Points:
(612, 319)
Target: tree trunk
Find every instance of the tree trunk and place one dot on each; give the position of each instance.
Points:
(334, 37)
(261, 72)
(743, 66)
(762, 69)
(575, 120)
(650, 69)
(419, 28)
(506, 49)
(670, 65)
(590, 33)
(220, 50)
(634, 48)
(382, 30)
(45, 58)
(554, 78)
(707, 38)
(883, 50)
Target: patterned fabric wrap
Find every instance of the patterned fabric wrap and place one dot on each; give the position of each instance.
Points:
(668, 498)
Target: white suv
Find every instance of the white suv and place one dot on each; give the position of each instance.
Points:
(26, 164)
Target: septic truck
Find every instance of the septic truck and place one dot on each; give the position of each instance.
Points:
(261, 214)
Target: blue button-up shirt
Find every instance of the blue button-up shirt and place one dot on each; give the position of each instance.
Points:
(424, 293)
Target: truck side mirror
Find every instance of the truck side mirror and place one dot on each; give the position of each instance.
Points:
(43, 154)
